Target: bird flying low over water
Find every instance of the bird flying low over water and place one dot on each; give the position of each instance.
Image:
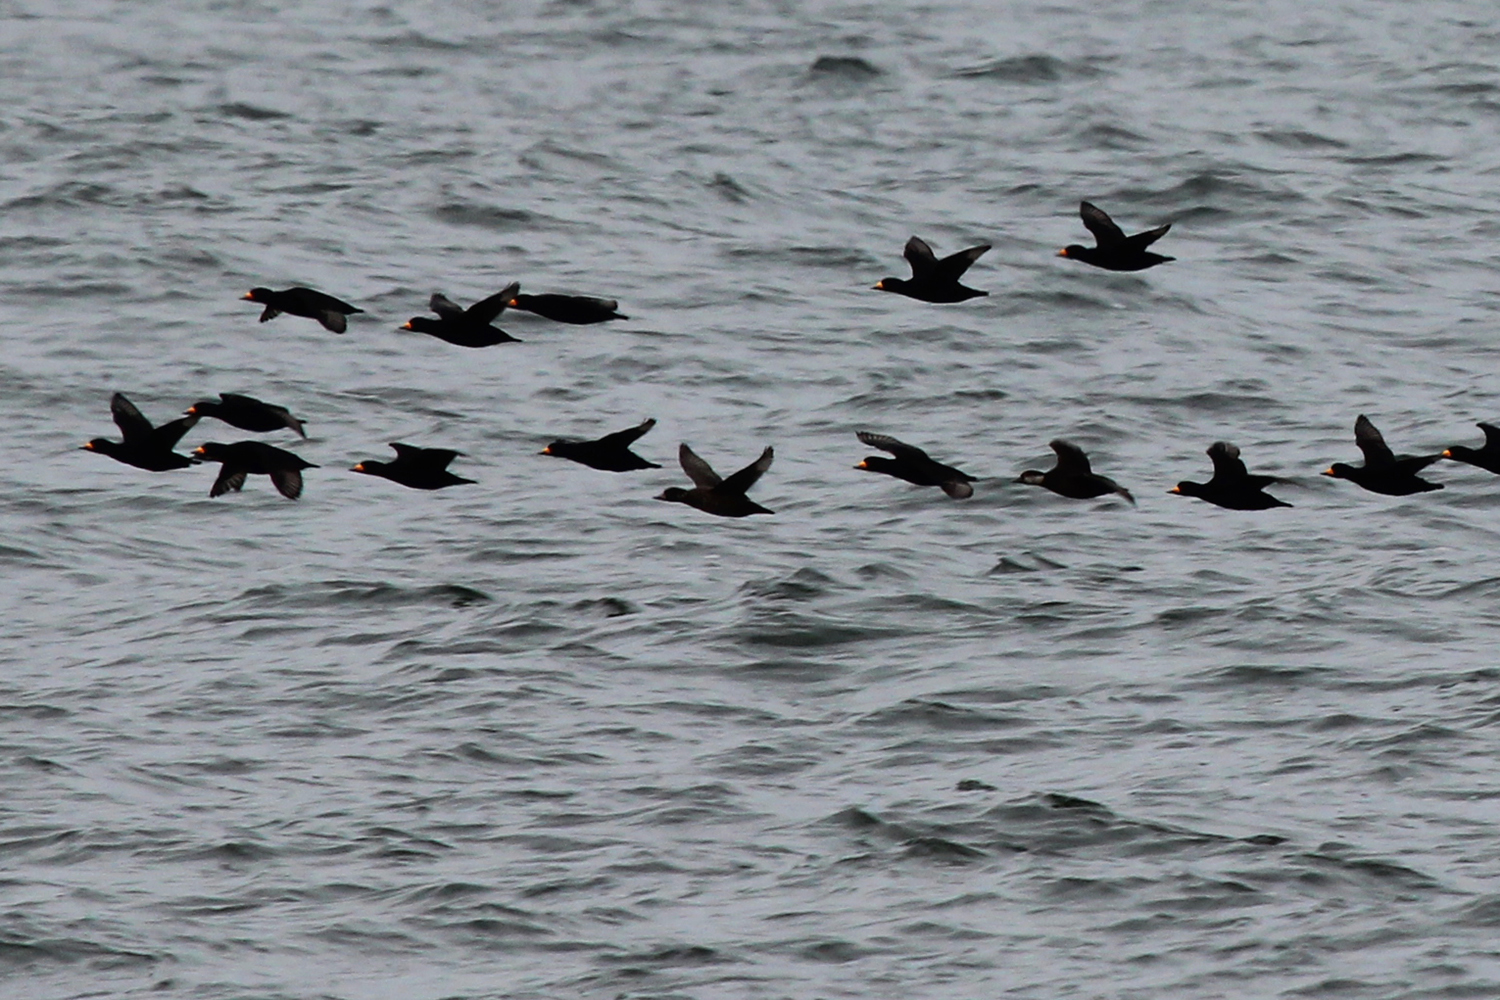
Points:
(298, 301)
(579, 309)
(1486, 457)
(418, 468)
(1383, 471)
(247, 413)
(1231, 486)
(142, 445)
(466, 327)
(714, 495)
(245, 458)
(1072, 476)
(1115, 251)
(611, 453)
(934, 280)
(913, 465)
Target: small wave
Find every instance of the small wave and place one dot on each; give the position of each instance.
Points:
(844, 68)
(1030, 69)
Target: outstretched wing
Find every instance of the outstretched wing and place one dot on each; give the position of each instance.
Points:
(1141, 241)
(1227, 463)
(135, 427)
(952, 267)
(168, 434)
(887, 443)
(920, 256)
(1098, 222)
(288, 482)
(741, 481)
(230, 478)
(627, 437)
(1070, 457)
(484, 311)
(444, 306)
(433, 458)
(1377, 452)
(699, 471)
(1491, 435)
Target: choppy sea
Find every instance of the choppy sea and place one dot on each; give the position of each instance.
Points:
(546, 736)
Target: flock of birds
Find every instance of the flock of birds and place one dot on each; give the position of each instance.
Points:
(932, 280)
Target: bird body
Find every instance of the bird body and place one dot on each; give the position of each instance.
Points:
(417, 468)
(611, 453)
(1072, 476)
(1114, 250)
(142, 445)
(1383, 471)
(934, 280)
(247, 413)
(714, 495)
(1231, 486)
(246, 458)
(914, 466)
(298, 301)
(466, 327)
(1487, 457)
(578, 309)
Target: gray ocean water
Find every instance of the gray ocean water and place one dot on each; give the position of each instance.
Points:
(546, 736)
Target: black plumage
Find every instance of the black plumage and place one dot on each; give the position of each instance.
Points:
(1115, 251)
(610, 453)
(934, 280)
(1487, 457)
(1072, 476)
(715, 495)
(298, 301)
(142, 445)
(247, 413)
(1383, 471)
(467, 327)
(247, 458)
(1231, 486)
(915, 466)
(579, 309)
(418, 468)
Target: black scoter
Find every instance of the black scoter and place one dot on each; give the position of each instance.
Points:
(915, 466)
(247, 413)
(579, 309)
(1231, 485)
(714, 495)
(1115, 250)
(1072, 477)
(418, 468)
(1487, 457)
(467, 327)
(934, 280)
(143, 446)
(610, 453)
(1384, 472)
(245, 458)
(298, 301)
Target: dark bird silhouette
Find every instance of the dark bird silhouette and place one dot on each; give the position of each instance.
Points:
(143, 446)
(326, 309)
(1072, 477)
(418, 468)
(467, 327)
(1487, 457)
(1231, 486)
(913, 465)
(713, 495)
(934, 280)
(611, 452)
(1384, 472)
(247, 413)
(580, 309)
(1115, 251)
(246, 458)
